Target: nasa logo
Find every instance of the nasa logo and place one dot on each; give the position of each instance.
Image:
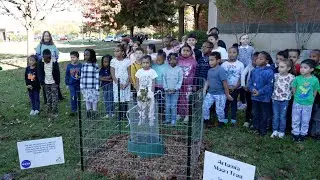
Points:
(26, 163)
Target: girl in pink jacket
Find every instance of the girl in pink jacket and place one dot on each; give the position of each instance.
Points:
(188, 64)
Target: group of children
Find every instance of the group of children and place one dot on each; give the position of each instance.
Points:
(173, 73)
(271, 89)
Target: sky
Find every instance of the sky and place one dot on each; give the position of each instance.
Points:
(12, 24)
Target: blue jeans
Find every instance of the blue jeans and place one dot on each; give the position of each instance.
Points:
(279, 115)
(108, 98)
(260, 111)
(171, 107)
(34, 98)
(74, 89)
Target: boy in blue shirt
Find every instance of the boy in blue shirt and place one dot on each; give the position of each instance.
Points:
(72, 80)
(218, 90)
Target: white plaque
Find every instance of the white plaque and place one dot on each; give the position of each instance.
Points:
(41, 152)
(217, 167)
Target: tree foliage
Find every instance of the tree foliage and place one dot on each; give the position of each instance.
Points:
(304, 18)
(31, 12)
(100, 14)
(142, 13)
(250, 12)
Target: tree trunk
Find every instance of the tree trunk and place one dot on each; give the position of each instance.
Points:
(30, 37)
(196, 13)
(131, 31)
(181, 22)
(100, 33)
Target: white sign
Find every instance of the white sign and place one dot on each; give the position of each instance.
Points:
(41, 152)
(217, 167)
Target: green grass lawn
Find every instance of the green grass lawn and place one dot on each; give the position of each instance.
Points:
(274, 158)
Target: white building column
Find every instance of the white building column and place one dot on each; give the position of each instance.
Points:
(212, 14)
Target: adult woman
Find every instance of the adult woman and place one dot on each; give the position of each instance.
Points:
(47, 43)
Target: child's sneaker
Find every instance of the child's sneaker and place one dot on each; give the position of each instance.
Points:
(296, 138)
(36, 112)
(31, 112)
(281, 135)
(106, 116)
(186, 119)
(274, 134)
(221, 124)
(233, 122)
(246, 124)
(302, 138)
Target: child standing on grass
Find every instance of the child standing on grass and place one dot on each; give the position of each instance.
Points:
(294, 55)
(89, 82)
(214, 38)
(281, 56)
(106, 84)
(167, 45)
(261, 87)
(188, 64)
(132, 55)
(192, 41)
(160, 67)
(49, 77)
(234, 69)
(145, 82)
(305, 88)
(33, 84)
(315, 119)
(172, 82)
(120, 69)
(245, 76)
(280, 98)
(139, 53)
(151, 51)
(218, 90)
(245, 56)
(72, 80)
(245, 50)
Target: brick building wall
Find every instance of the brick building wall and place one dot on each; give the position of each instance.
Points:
(308, 10)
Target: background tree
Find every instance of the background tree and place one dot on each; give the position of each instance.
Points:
(249, 12)
(92, 17)
(30, 13)
(142, 13)
(305, 19)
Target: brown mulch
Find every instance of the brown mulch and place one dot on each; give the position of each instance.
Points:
(113, 160)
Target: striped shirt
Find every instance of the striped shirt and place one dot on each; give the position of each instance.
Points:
(89, 76)
(48, 79)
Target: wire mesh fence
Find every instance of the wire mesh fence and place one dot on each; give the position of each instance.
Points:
(144, 137)
(118, 141)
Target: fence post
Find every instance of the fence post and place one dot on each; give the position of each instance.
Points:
(119, 107)
(80, 130)
(190, 106)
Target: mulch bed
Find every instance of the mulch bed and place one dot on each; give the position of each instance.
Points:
(113, 160)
